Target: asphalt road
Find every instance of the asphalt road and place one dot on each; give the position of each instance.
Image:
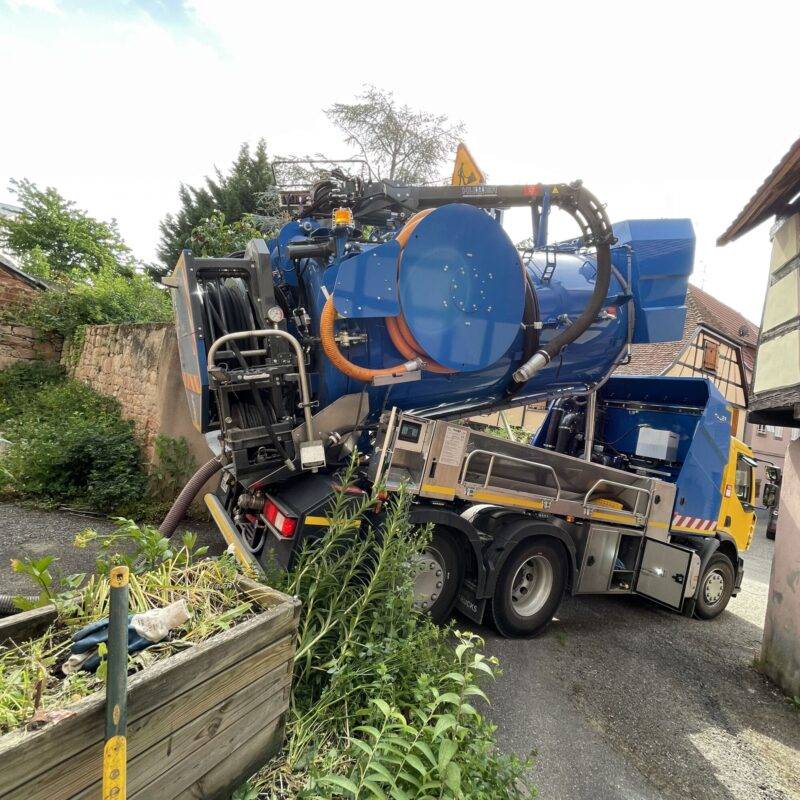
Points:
(625, 701)
(620, 699)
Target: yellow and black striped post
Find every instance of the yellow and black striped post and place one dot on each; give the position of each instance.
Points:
(115, 750)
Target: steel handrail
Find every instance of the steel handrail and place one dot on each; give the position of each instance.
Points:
(301, 364)
(503, 457)
(606, 482)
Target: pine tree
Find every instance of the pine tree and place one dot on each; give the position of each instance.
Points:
(246, 189)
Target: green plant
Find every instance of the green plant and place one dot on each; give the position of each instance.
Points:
(56, 240)
(213, 236)
(70, 445)
(111, 298)
(19, 383)
(382, 700)
(140, 547)
(29, 679)
(245, 189)
(794, 703)
(174, 465)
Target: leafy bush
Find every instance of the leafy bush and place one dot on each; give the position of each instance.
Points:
(110, 298)
(382, 702)
(21, 381)
(70, 445)
(56, 240)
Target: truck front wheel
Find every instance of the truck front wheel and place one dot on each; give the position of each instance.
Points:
(438, 571)
(716, 587)
(529, 588)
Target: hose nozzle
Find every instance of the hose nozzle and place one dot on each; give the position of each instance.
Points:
(536, 362)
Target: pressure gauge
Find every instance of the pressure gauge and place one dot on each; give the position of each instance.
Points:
(275, 314)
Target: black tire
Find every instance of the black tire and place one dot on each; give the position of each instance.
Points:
(441, 555)
(770, 533)
(716, 587)
(507, 607)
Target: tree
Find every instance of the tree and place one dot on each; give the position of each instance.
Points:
(248, 188)
(56, 240)
(397, 142)
(215, 237)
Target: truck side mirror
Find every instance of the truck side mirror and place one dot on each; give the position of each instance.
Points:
(770, 495)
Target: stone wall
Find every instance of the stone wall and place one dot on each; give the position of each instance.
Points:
(139, 366)
(22, 343)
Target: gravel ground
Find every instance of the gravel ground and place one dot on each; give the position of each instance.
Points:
(26, 533)
(621, 700)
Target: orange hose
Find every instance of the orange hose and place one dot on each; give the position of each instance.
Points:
(331, 350)
(399, 332)
(398, 329)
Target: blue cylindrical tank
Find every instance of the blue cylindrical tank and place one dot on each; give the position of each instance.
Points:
(459, 283)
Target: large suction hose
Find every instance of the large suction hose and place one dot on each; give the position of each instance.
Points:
(584, 207)
(188, 493)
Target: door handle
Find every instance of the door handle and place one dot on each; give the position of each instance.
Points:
(679, 577)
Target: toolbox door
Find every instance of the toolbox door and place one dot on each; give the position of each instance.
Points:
(663, 573)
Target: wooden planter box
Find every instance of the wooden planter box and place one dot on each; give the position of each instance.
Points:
(199, 722)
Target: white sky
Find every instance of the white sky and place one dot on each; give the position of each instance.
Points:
(677, 109)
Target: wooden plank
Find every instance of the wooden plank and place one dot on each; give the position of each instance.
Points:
(182, 775)
(270, 696)
(26, 624)
(23, 756)
(71, 776)
(219, 782)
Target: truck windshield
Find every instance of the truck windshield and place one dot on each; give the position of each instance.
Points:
(744, 479)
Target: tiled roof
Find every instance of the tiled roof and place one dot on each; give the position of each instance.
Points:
(9, 265)
(771, 198)
(701, 309)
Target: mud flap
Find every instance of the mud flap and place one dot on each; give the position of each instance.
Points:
(468, 604)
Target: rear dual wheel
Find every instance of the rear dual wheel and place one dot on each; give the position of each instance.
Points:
(529, 588)
(438, 571)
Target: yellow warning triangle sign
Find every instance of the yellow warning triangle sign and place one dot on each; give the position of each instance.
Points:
(465, 170)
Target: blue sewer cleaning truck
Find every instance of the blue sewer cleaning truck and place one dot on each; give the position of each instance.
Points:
(380, 317)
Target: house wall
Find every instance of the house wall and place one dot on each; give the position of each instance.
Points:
(728, 375)
(139, 366)
(21, 342)
(780, 648)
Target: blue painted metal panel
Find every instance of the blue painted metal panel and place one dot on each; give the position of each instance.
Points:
(662, 257)
(704, 437)
(366, 284)
(462, 287)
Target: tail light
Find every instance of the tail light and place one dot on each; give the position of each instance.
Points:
(286, 526)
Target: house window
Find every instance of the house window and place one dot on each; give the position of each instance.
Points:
(761, 430)
(795, 434)
(778, 432)
(710, 352)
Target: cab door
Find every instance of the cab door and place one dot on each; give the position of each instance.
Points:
(737, 510)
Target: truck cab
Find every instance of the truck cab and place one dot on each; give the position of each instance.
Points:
(737, 512)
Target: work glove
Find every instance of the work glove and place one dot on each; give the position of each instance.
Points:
(143, 630)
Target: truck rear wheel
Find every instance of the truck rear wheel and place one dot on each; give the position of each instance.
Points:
(716, 587)
(438, 571)
(529, 588)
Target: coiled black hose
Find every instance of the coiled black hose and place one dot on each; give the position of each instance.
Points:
(188, 493)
